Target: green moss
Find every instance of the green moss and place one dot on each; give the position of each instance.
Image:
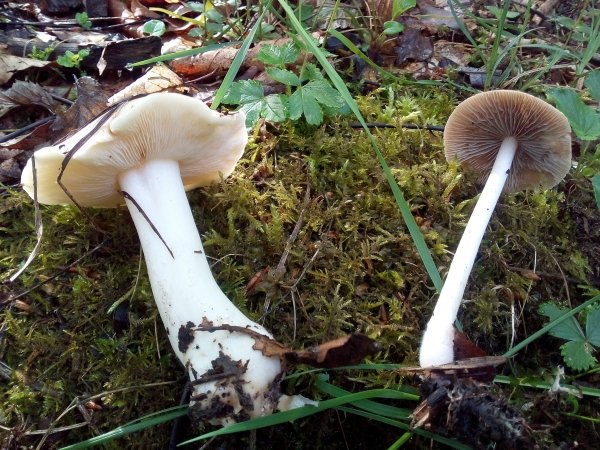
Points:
(351, 267)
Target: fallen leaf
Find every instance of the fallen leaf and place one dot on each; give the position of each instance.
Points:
(91, 102)
(10, 65)
(159, 78)
(24, 93)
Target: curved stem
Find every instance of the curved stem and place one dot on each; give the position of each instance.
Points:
(437, 343)
(187, 294)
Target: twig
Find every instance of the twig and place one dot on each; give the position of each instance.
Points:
(409, 126)
(26, 128)
(39, 226)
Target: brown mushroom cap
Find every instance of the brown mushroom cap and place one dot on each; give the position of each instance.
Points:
(476, 128)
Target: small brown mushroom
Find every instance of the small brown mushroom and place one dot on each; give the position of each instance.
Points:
(518, 142)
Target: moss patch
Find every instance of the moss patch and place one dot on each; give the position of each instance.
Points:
(351, 267)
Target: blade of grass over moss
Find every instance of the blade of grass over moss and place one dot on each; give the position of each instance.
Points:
(237, 61)
(358, 52)
(181, 54)
(339, 84)
(298, 413)
(137, 425)
(384, 73)
(368, 405)
(513, 351)
(537, 383)
(401, 441)
(404, 426)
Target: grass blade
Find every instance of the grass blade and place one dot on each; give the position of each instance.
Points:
(298, 413)
(237, 61)
(513, 351)
(339, 84)
(137, 425)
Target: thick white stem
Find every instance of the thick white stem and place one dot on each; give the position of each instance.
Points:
(241, 382)
(437, 343)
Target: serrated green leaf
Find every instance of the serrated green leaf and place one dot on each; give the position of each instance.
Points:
(252, 110)
(274, 55)
(295, 104)
(592, 327)
(578, 355)
(311, 110)
(584, 120)
(274, 108)
(568, 329)
(283, 76)
(310, 72)
(596, 187)
(234, 94)
(592, 82)
(323, 93)
(250, 91)
(303, 102)
(245, 91)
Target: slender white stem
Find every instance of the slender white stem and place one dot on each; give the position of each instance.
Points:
(187, 294)
(437, 343)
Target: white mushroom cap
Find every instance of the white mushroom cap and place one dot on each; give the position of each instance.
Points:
(163, 126)
(476, 128)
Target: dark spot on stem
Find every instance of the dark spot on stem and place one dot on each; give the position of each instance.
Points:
(185, 336)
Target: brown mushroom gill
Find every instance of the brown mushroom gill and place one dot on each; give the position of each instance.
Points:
(515, 141)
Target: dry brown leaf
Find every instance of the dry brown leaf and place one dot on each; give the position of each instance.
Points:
(91, 102)
(10, 65)
(159, 78)
(24, 93)
(217, 62)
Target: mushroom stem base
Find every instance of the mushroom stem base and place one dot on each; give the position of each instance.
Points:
(232, 381)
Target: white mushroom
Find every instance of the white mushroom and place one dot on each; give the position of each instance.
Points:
(516, 141)
(146, 154)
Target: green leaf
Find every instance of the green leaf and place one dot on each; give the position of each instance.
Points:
(578, 355)
(250, 90)
(283, 76)
(392, 27)
(274, 108)
(323, 93)
(274, 55)
(568, 329)
(252, 111)
(154, 28)
(592, 327)
(196, 6)
(584, 119)
(311, 110)
(237, 62)
(82, 19)
(592, 82)
(401, 6)
(596, 187)
(310, 72)
(498, 12)
(295, 104)
(66, 60)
